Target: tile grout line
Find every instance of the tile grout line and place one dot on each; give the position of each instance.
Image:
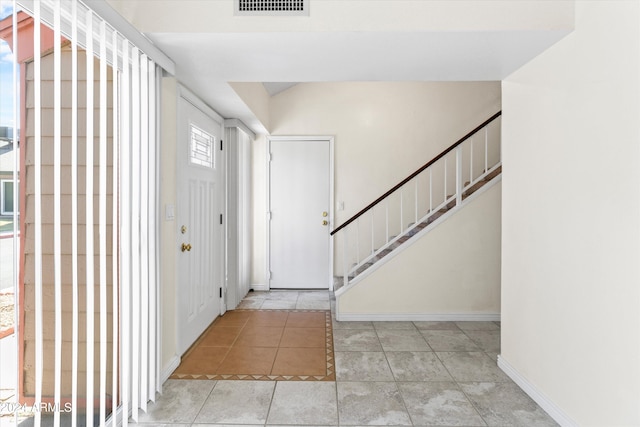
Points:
(278, 347)
(335, 388)
(457, 383)
(230, 347)
(204, 402)
(335, 364)
(395, 381)
(273, 393)
(404, 403)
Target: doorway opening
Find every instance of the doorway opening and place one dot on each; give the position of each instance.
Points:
(300, 200)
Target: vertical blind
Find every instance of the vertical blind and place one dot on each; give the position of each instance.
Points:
(91, 258)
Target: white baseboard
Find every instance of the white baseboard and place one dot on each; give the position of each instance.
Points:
(540, 398)
(260, 287)
(164, 376)
(169, 368)
(418, 317)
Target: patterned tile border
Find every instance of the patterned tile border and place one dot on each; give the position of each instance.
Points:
(331, 371)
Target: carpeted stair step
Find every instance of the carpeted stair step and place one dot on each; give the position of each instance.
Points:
(414, 230)
(411, 232)
(364, 268)
(436, 215)
(478, 185)
(381, 254)
(403, 239)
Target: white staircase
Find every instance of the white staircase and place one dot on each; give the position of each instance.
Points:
(409, 209)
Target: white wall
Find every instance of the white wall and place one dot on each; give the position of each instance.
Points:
(259, 214)
(451, 273)
(383, 131)
(168, 235)
(255, 96)
(571, 220)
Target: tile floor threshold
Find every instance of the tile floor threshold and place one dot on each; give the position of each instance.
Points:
(267, 345)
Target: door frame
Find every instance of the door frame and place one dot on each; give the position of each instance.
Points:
(330, 140)
(233, 175)
(191, 98)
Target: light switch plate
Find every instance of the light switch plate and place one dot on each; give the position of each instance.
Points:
(169, 213)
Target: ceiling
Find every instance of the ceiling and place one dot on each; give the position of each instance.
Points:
(205, 62)
(343, 40)
(356, 56)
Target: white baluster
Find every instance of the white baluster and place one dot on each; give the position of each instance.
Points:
(401, 210)
(458, 175)
(471, 160)
(358, 240)
(416, 199)
(345, 259)
(430, 189)
(445, 177)
(486, 149)
(373, 233)
(386, 204)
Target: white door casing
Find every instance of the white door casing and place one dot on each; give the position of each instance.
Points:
(300, 213)
(200, 243)
(238, 203)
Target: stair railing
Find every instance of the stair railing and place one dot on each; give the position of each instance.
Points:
(419, 199)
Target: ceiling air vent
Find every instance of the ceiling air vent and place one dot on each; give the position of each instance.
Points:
(272, 7)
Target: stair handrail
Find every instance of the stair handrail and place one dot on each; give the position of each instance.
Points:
(417, 172)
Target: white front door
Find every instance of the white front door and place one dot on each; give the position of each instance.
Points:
(300, 207)
(200, 237)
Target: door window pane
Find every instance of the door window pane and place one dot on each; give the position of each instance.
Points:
(201, 147)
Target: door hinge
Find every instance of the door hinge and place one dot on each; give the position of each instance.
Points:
(269, 274)
(220, 219)
(221, 145)
(269, 215)
(220, 292)
(271, 157)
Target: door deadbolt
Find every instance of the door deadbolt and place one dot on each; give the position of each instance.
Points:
(183, 229)
(325, 214)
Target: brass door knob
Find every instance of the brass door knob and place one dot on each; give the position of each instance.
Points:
(325, 222)
(186, 247)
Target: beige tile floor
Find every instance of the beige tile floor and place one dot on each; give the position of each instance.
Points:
(387, 374)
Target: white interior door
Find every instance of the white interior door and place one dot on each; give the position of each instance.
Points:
(200, 239)
(300, 192)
